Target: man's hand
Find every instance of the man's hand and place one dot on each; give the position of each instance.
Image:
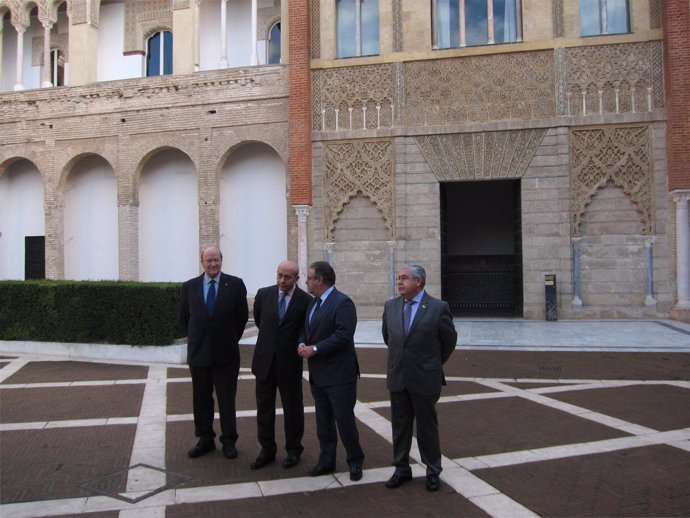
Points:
(305, 351)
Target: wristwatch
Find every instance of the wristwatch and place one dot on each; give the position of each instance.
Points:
(314, 349)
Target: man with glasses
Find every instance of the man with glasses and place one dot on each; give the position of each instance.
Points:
(419, 332)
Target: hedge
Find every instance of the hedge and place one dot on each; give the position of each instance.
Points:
(115, 312)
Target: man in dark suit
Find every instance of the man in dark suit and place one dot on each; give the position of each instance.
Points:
(214, 312)
(419, 332)
(327, 340)
(279, 314)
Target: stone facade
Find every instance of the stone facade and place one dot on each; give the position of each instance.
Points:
(369, 141)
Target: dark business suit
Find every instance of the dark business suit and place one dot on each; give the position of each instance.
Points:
(212, 351)
(415, 377)
(333, 373)
(277, 366)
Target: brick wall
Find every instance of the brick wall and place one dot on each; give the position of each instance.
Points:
(299, 103)
(676, 20)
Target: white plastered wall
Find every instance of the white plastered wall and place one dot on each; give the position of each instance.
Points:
(21, 215)
(253, 215)
(168, 218)
(90, 221)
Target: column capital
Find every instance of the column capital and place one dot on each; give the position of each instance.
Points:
(680, 197)
(302, 211)
(328, 246)
(19, 27)
(391, 245)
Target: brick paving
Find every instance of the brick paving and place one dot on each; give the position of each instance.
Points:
(523, 433)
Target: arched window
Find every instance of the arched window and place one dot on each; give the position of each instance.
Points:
(273, 46)
(159, 54)
(57, 67)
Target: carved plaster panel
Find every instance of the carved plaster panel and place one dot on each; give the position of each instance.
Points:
(622, 73)
(362, 167)
(356, 88)
(315, 29)
(480, 88)
(85, 11)
(620, 155)
(480, 156)
(266, 17)
(57, 41)
(143, 18)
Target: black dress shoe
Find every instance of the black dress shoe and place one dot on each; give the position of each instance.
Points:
(291, 461)
(433, 483)
(319, 470)
(355, 473)
(202, 447)
(261, 461)
(229, 451)
(397, 480)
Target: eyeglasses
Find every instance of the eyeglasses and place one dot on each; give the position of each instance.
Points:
(405, 278)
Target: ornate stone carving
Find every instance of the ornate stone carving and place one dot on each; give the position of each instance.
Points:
(655, 14)
(143, 18)
(620, 155)
(397, 26)
(85, 11)
(480, 88)
(480, 156)
(57, 41)
(558, 23)
(315, 29)
(362, 167)
(356, 88)
(621, 72)
(266, 18)
(561, 71)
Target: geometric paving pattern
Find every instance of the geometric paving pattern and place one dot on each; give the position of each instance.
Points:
(519, 438)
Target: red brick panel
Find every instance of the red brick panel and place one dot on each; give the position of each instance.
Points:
(676, 19)
(299, 123)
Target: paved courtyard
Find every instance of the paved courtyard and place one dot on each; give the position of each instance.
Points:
(575, 419)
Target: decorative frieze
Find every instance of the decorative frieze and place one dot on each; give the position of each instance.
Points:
(615, 78)
(480, 88)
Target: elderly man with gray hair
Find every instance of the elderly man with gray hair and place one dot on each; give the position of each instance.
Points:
(419, 332)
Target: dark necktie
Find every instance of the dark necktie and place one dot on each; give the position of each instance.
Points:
(281, 306)
(316, 309)
(407, 315)
(211, 297)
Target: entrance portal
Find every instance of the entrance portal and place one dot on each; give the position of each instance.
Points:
(481, 248)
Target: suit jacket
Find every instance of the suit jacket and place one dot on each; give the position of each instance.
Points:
(415, 361)
(332, 331)
(212, 339)
(278, 340)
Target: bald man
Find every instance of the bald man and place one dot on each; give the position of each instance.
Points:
(279, 312)
(214, 313)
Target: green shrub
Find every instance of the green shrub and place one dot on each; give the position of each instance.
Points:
(132, 313)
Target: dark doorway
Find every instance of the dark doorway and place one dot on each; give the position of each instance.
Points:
(35, 257)
(481, 248)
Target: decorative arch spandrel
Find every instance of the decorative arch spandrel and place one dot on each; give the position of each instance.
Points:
(358, 168)
(620, 155)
